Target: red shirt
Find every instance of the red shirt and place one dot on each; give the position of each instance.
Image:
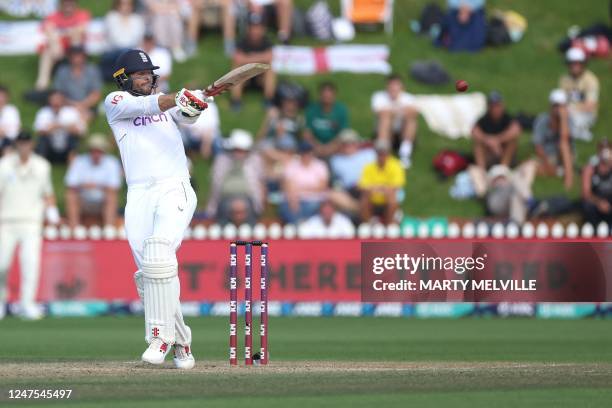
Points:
(63, 22)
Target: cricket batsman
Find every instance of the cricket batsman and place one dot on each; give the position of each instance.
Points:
(160, 200)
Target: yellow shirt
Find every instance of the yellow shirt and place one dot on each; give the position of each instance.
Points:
(390, 175)
(585, 88)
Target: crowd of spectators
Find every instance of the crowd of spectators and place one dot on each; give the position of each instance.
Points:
(305, 164)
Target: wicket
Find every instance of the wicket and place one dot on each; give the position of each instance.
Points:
(248, 300)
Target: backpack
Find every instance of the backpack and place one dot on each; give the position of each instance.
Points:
(447, 163)
(429, 72)
(319, 21)
(497, 33)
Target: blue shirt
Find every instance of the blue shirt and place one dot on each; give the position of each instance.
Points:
(348, 168)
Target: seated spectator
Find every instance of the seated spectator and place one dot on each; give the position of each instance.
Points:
(63, 29)
(204, 136)
(597, 186)
(324, 120)
(161, 57)
(10, 122)
(255, 47)
(276, 156)
(124, 29)
(381, 183)
(582, 88)
(346, 167)
(237, 180)
(80, 82)
(328, 223)
(552, 139)
(284, 122)
(464, 28)
(59, 129)
(495, 135)
(396, 117)
(167, 26)
(305, 185)
(93, 181)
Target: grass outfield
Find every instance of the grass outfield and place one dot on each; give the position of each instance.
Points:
(320, 362)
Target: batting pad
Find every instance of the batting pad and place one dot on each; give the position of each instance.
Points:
(161, 289)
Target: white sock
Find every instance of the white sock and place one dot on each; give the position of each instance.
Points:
(405, 150)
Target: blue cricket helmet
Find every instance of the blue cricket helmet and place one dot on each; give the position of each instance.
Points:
(127, 63)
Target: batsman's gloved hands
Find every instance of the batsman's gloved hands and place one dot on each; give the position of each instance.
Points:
(191, 103)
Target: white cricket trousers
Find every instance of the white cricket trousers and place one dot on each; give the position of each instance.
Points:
(28, 235)
(161, 209)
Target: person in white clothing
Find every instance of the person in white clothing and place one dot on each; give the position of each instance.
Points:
(396, 117)
(160, 199)
(328, 223)
(26, 193)
(10, 123)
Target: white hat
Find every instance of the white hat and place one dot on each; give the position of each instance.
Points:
(97, 141)
(575, 54)
(499, 170)
(239, 139)
(557, 97)
(343, 29)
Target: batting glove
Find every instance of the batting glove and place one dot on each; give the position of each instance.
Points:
(190, 103)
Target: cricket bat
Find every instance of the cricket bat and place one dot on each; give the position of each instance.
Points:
(235, 77)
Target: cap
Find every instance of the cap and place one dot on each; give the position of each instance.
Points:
(348, 136)
(98, 141)
(495, 97)
(305, 147)
(23, 136)
(131, 61)
(76, 49)
(239, 139)
(382, 145)
(557, 97)
(575, 54)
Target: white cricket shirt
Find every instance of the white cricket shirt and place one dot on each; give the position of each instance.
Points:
(149, 140)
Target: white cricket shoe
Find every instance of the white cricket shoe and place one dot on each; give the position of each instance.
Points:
(156, 352)
(183, 359)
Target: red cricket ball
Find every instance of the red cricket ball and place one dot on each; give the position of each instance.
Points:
(461, 85)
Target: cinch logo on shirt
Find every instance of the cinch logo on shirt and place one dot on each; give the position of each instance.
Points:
(142, 120)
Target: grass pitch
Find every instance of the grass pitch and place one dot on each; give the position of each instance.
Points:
(319, 362)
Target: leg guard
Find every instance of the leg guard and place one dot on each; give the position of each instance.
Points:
(161, 291)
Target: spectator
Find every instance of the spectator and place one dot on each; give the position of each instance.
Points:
(255, 47)
(324, 120)
(552, 139)
(125, 29)
(495, 135)
(237, 181)
(305, 185)
(283, 122)
(582, 88)
(10, 122)
(597, 186)
(80, 82)
(204, 136)
(464, 28)
(63, 29)
(347, 166)
(328, 223)
(160, 57)
(167, 25)
(381, 185)
(276, 156)
(59, 128)
(396, 117)
(93, 181)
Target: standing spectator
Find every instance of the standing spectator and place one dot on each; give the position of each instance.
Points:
(65, 28)
(59, 129)
(204, 136)
(237, 181)
(255, 47)
(464, 28)
(495, 135)
(346, 167)
(161, 57)
(125, 29)
(305, 185)
(381, 185)
(552, 139)
(396, 117)
(582, 88)
(324, 120)
(93, 181)
(597, 186)
(26, 195)
(328, 223)
(80, 82)
(167, 25)
(10, 122)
